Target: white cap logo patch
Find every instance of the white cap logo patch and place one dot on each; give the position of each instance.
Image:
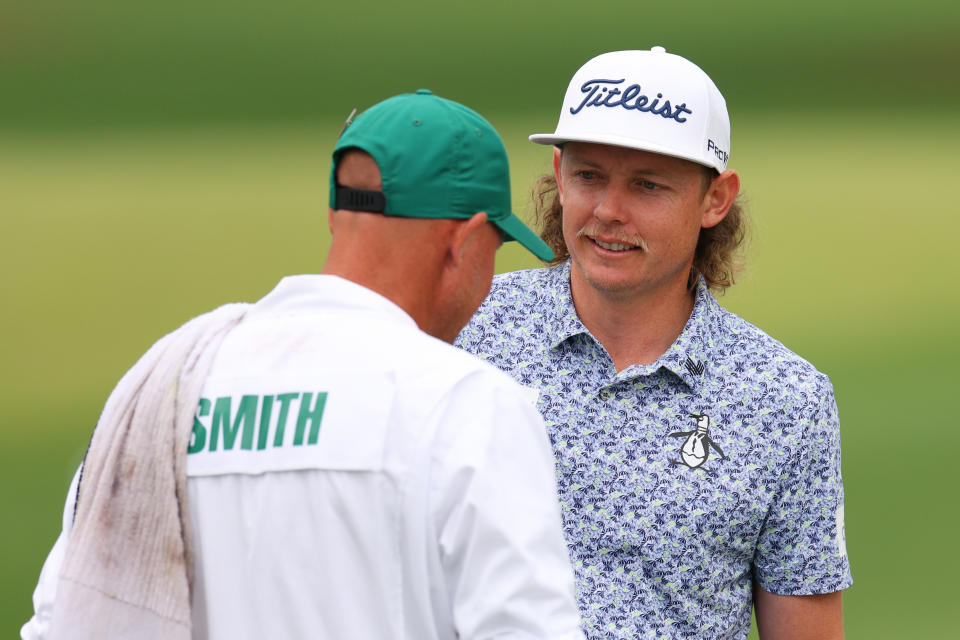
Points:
(649, 100)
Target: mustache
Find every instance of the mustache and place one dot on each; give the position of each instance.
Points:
(595, 229)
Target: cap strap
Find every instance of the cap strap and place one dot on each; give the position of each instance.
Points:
(360, 200)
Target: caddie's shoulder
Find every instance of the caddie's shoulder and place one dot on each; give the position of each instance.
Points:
(199, 329)
(224, 313)
(231, 311)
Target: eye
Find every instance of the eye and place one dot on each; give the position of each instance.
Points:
(587, 175)
(649, 186)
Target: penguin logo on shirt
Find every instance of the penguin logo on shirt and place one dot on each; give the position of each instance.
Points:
(696, 448)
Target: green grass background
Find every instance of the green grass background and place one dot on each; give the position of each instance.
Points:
(157, 162)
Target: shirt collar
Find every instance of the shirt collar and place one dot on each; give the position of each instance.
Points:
(303, 293)
(694, 344)
(562, 321)
(689, 357)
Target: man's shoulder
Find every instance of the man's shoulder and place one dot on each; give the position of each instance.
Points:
(215, 320)
(748, 348)
(515, 315)
(519, 290)
(521, 297)
(523, 277)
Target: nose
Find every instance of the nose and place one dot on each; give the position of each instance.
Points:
(612, 205)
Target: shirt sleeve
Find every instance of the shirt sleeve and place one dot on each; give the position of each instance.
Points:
(802, 547)
(497, 518)
(37, 627)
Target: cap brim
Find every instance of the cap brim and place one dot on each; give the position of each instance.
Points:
(618, 141)
(514, 229)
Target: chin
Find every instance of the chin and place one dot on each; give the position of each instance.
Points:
(614, 287)
(611, 283)
(610, 277)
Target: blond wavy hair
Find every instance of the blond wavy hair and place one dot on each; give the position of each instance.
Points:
(718, 254)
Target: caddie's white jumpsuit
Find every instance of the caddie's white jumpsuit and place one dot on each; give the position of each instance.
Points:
(351, 477)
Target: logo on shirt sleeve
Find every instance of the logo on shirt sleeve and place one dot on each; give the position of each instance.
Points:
(841, 533)
(696, 448)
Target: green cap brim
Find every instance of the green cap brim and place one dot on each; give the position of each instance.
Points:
(514, 229)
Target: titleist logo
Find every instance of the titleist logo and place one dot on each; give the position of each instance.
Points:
(604, 93)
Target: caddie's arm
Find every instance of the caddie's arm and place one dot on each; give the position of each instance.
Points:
(497, 518)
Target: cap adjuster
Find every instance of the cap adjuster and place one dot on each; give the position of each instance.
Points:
(360, 200)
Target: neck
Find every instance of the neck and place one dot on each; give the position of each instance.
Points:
(399, 259)
(635, 327)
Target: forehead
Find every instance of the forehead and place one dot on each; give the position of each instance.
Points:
(627, 160)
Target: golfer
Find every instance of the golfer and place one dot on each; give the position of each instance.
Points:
(698, 458)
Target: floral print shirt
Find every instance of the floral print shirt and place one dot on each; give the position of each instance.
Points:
(683, 481)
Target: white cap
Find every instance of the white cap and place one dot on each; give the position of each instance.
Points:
(650, 100)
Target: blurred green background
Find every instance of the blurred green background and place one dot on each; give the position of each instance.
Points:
(159, 159)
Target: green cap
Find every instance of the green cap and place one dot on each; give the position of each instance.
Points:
(437, 159)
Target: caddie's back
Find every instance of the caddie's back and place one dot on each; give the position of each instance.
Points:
(344, 474)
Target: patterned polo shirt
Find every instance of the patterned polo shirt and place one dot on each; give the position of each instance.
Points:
(684, 480)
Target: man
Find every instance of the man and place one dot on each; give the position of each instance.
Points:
(334, 469)
(698, 459)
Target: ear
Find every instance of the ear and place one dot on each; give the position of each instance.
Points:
(719, 198)
(463, 233)
(557, 160)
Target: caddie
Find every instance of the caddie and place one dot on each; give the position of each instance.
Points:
(323, 463)
(698, 459)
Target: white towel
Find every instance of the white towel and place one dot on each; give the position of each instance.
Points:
(128, 570)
